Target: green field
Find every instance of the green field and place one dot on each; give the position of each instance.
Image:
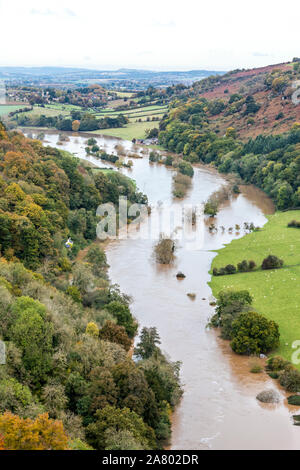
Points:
(8, 108)
(49, 110)
(144, 113)
(133, 130)
(52, 110)
(276, 293)
(134, 112)
(124, 94)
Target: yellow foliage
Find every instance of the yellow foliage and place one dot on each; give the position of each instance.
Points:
(27, 434)
(231, 132)
(15, 192)
(32, 211)
(92, 329)
(75, 125)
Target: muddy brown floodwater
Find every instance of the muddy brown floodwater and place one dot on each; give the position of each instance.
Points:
(219, 409)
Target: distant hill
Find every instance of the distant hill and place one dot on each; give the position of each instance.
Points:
(142, 78)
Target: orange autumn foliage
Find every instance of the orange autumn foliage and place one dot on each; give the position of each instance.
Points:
(41, 433)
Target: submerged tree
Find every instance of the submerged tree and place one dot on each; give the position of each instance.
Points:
(164, 250)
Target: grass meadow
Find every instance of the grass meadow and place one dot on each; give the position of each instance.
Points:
(276, 292)
(8, 108)
(133, 130)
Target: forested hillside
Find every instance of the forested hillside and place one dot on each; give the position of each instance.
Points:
(253, 102)
(195, 129)
(48, 195)
(69, 381)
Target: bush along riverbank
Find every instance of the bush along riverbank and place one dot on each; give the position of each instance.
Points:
(273, 292)
(252, 334)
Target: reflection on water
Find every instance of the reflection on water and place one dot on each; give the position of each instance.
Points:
(219, 409)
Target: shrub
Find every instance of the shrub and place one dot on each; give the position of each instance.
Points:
(294, 400)
(273, 375)
(215, 200)
(226, 323)
(74, 292)
(229, 306)
(154, 156)
(186, 168)
(115, 334)
(179, 191)
(252, 265)
(164, 250)
(92, 329)
(254, 334)
(233, 301)
(290, 380)
(277, 363)
(243, 266)
(294, 223)
(296, 420)
(222, 272)
(230, 269)
(256, 369)
(123, 315)
(168, 160)
(272, 262)
(236, 189)
(181, 183)
(211, 208)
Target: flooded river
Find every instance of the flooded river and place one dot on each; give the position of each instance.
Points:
(219, 409)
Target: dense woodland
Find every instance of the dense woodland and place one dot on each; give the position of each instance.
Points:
(70, 381)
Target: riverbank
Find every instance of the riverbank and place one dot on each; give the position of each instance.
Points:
(276, 292)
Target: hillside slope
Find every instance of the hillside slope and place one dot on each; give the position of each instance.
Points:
(271, 88)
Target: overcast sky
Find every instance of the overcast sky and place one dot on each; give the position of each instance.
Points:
(152, 34)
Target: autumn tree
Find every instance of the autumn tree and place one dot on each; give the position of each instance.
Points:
(115, 334)
(28, 434)
(75, 125)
